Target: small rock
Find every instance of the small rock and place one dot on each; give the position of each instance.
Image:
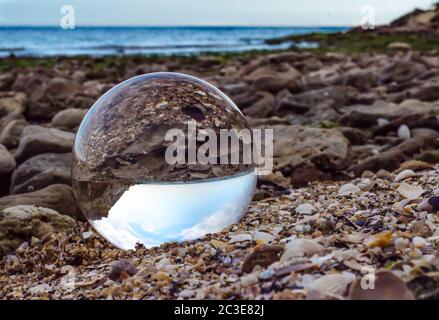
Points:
(401, 244)
(120, 268)
(348, 189)
(68, 118)
(419, 242)
(404, 175)
(434, 203)
(186, 294)
(305, 208)
(415, 165)
(404, 132)
(7, 161)
(37, 140)
(26, 222)
(262, 256)
(249, 279)
(243, 237)
(10, 135)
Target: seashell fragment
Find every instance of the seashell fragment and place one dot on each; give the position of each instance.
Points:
(404, 175)
(300, 247)
(333, 285)
(409, 191)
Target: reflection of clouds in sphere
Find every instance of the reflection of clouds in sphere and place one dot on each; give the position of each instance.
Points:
(124, 185)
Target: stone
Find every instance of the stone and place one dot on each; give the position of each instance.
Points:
(410, 191)
(422, 140)
(404, 175)
(361, 116)
(11, 102)
(348, 189)
(58, 197)
(262, 256)
(399, 45)
(7, 165)
(68, 118)
(337, 96)
(295, 145)
(415, 165)
(7, 161)
(305, 208)
(306, 173)
(274, 78)
(23, 222)
(354, 135)
(400, 71)
(37, 140)
(120, 269)
(41, 171)
(10, 135)
(262, 108)
(404, 132)
(6, 81)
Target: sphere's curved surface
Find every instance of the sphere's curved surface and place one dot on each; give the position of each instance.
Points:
(133, 188)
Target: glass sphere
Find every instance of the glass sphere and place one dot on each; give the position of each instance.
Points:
(136, 185)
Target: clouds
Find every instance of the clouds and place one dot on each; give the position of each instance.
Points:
(203, 12)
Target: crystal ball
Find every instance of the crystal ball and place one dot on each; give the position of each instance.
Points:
(152, 161)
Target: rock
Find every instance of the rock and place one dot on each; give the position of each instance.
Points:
(12, 102)
(122, 269)
(262, 108)
(7, 161)
(404, 175)
(289, 104)
(295, 145)
(23, 222)
(37, 140)
(249, 280)
(6, 81)
(419, 242)
(234, 89)
(58, 197)
(363, 80)
(7, 165)
(348, 189)
(41, 171)
(397, 45)
(425, 92)
(274, 78)
(10, 135)
(400, 71)
(337, 96)
(262, 256)
(415, 165)
(306, 173)
(404, 132)
(68, 118)
(361, 116)
(422, 140)
(354, 135)
(242, 237)
(386, 286)
(305, 208)
(4, 121)
(409, 191)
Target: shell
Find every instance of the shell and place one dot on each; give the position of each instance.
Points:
(409, 191)
(300, 247)
(333, 285)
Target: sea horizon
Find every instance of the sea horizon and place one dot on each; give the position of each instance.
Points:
(41, 41)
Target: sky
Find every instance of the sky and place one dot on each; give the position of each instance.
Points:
(205, 12)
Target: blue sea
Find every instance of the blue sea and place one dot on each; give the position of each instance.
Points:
(99, 41)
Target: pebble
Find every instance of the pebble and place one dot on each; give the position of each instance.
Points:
(242, 237)
(419, 242)
(305, 208)
(401, 243)
(348, 189)
(404, 175)
(409, 191)
(404, 132)
(186, 293)
(249, 280)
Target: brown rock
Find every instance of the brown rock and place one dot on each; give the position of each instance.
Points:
(120, 269)
(262, 256)
(37, 140)
(307, 173)
(41, 171)
(68, 118)
(390, 160)
(21, 223)
(58, 197)
(12, 102)
(10, 135)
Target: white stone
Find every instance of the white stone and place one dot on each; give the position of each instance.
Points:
(305, 208)
(348, 189)
(382, 122)
(242, 237)
(404, 175)
(249, 280)
(404, 132)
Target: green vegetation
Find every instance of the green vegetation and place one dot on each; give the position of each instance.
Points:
(357, 42)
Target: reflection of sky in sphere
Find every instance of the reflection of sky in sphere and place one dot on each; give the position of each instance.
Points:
(156, 213)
